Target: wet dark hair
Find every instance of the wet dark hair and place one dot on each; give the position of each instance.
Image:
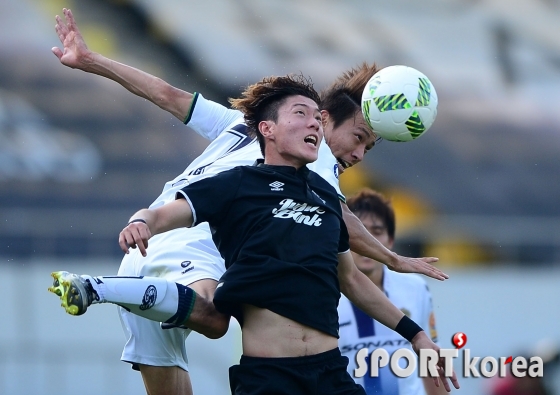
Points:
(343, 98)
(261, 101)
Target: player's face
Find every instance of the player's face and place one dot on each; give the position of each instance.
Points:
(377, 228)
(350, 141)
(296, 135)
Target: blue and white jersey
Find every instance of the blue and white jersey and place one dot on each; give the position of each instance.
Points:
(410, 294)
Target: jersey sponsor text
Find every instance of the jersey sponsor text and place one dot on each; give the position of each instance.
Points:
(290, 209)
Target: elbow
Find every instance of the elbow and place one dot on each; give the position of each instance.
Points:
(165, 97)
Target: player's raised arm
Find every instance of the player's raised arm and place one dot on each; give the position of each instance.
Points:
(148, 222)
(364, 294)
(75, 54)
(363, 243)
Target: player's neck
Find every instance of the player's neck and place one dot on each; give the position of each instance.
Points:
(274, 158)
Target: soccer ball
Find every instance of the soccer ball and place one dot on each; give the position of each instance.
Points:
(399, 103)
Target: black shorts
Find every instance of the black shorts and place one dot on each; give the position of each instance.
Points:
(321, 374)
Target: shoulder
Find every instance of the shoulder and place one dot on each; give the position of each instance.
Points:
(324, 190)
(249, 174)
(233, 175)
(239, 171)
(211, 119)
(317, 181)
(201, 107)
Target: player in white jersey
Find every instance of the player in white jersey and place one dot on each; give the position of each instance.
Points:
(408, 292)
(188, 256)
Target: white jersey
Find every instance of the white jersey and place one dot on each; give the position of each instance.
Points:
(326, 166)
(186, 255)
(410, 294)
(230, 147)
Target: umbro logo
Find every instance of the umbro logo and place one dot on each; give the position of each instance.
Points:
(276, 186)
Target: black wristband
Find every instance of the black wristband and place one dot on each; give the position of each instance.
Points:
(137, 220)
(407, 328)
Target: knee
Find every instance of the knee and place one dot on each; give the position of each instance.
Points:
(219, 326)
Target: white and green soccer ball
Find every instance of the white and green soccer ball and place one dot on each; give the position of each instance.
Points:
(399, 103)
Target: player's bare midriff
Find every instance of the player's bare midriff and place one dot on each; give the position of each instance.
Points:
(269, 335)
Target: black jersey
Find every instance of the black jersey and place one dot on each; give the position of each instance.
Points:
(279, 231)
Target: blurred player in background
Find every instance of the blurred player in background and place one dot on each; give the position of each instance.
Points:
(188, 256)
(406, 291)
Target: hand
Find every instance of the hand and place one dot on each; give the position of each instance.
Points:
(418, 265)
(135, 234)
(75, 53)
(422, 341)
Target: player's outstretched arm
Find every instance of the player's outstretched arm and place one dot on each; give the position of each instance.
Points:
(75, 54)
(148, 222)
(422, 341)
(364, 294)
(363, 243)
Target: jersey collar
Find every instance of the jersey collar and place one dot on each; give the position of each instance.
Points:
(302, 171)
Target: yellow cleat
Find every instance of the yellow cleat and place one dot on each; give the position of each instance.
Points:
(75, 292)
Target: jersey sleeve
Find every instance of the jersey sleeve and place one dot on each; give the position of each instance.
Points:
(211, 198)
(209, 119)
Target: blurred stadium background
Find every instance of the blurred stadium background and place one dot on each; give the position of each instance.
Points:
(79, 154)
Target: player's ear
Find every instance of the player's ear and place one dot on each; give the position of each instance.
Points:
(325, 116)
(266, 128)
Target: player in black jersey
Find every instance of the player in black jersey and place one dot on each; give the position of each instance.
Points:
(280, 230)
(340, 103)
(346, 136)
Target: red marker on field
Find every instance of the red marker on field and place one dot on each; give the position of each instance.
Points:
(459, 340)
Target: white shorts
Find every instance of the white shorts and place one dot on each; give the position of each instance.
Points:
(183, 256)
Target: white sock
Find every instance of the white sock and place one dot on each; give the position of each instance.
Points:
(150, 297)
